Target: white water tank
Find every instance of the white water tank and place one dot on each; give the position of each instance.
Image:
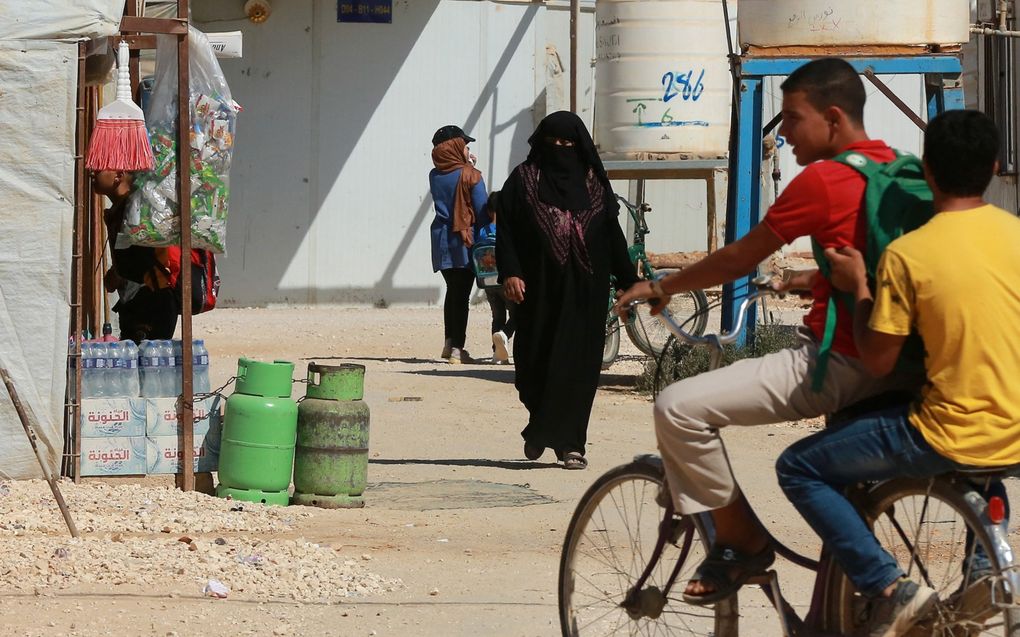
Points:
(662, 81)
(770, 23)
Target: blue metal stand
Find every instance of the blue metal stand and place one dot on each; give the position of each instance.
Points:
(743, 207)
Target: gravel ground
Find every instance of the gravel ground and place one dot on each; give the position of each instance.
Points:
(198, 538)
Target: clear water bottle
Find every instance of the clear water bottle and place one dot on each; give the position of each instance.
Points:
(178, 353)
(201, 358)
(101, 354)
(115, 371)
(88, 371)
(132, 382)
(170, 378)
(72, 370)
(149, 369)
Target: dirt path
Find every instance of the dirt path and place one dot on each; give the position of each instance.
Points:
(471, 529)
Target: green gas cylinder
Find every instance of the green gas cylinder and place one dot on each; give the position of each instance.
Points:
(331, 460)
(259, 429)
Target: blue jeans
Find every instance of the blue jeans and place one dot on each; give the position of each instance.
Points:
(814, 473)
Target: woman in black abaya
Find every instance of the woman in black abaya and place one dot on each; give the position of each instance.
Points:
(558, 240)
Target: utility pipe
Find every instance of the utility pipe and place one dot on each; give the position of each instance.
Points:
(575, 18)
(1000, 32)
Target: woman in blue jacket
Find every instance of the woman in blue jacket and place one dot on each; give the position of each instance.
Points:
(459, 196)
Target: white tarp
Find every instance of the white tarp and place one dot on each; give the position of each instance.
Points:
(37, 124)
(59, 19)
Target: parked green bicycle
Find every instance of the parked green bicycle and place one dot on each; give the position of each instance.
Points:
(648, 334)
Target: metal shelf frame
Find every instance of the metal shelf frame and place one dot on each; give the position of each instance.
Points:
(712, 171)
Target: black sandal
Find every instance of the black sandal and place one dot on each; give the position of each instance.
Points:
(574, 460)
(727, 570)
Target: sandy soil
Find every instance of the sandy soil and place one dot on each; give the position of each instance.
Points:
(471, 530)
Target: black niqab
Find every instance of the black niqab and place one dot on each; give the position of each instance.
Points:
(564, 169)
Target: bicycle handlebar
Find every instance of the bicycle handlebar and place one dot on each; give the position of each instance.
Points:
(762, 289)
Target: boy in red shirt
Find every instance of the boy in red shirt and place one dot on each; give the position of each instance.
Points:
(823, 116)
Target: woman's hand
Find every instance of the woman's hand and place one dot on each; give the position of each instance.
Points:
(513, 289)
(466, 237)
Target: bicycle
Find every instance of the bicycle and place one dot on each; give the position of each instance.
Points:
(648, 334)
(624, 552)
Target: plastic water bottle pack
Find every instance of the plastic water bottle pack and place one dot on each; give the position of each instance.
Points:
(152, 369)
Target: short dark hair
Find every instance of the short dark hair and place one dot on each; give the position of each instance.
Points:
(960, 148)
(830, 82)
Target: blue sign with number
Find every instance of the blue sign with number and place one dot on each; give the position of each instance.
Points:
(380, 11)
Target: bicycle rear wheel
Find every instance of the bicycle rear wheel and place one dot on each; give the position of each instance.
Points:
(611, 348)
(609, 543)
(925, 525)
(690, 309)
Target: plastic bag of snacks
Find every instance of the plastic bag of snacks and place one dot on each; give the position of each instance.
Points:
(152, 210)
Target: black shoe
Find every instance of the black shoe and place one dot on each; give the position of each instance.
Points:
(532, 452)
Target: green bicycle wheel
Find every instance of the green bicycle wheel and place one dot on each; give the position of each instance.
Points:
(650, 335)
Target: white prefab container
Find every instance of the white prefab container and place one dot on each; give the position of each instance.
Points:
(853, 22)
(662, 81)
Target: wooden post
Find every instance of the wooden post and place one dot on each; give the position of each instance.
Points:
(187, 414)
(77, 271)
(30, 432)
(575, 18)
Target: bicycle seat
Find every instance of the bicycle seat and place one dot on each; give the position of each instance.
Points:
(1008, 471)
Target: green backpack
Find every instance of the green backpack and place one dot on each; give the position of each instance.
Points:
(896, 200)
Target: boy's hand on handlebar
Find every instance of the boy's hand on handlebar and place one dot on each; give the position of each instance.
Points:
(639, 291)
(513, 289)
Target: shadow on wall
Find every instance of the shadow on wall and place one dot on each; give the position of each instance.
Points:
(296, 164)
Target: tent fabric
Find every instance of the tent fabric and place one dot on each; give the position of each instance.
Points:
(66, 19)
(37, 127)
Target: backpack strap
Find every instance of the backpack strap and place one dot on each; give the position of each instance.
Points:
(869, 169)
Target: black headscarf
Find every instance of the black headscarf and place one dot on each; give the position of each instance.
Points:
(564, 170)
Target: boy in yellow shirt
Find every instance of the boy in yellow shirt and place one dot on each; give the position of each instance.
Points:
(955, 281)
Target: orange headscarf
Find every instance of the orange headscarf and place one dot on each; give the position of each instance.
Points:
(447, 157)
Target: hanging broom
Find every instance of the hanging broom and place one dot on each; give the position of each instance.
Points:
(120, 140)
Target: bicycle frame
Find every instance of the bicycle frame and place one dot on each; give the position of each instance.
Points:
(638, 257)
(637, 250)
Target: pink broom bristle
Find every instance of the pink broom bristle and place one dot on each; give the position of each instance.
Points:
(120, 144)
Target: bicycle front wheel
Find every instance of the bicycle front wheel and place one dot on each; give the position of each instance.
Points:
(933, 531)
(609, 543)
(649, 334)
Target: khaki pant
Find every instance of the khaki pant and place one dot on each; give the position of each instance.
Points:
(755, 391)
